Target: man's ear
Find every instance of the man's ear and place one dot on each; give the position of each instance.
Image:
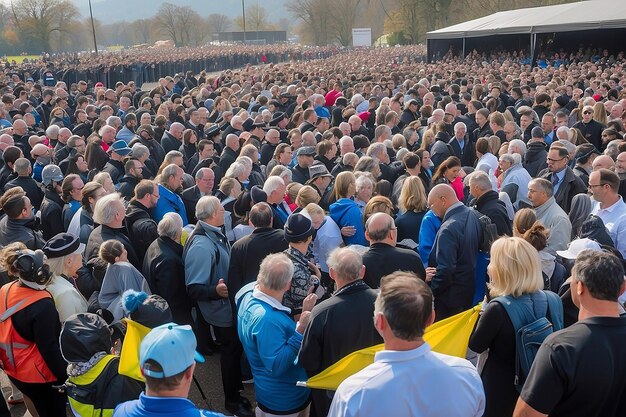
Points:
(431, 319)
(362, 273)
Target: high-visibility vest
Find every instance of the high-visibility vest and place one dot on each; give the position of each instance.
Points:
(20, 358)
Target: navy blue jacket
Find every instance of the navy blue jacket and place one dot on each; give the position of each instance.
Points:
(454, 255)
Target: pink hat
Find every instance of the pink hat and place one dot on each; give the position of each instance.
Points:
(597, 97)
(99, 84)
(364, 116)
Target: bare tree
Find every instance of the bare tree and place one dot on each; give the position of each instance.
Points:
(256, 19)
(177, 22)
(218, 22)
(39, 20)
(315, 17)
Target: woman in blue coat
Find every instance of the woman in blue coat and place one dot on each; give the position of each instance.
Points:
(345, 212)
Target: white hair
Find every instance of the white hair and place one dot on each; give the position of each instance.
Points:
(104, 212)
(170, 225)
(207, 207)
(276, 272)
(272, 184)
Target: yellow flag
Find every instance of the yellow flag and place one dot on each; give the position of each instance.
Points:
(129, 356)
(449, 336)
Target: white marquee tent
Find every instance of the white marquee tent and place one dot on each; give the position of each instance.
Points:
(580, 16)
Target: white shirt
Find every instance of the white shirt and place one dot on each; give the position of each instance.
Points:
(614, 218)
(328, 238)
(416, 382)
(488, 163)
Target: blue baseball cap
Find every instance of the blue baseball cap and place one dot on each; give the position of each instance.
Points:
(172, 346)
(120, 147)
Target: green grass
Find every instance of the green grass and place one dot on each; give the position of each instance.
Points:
(19, 58)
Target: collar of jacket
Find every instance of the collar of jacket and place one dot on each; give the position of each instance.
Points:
(351, 288)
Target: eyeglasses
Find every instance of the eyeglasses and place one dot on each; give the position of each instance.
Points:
(591, 186)
(587, 112)
(556, 160)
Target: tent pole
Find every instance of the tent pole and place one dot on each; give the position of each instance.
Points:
(463, 57)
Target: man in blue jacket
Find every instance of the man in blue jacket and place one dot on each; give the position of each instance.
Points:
(452, 262)
(272, 340)
(167, 357)
(170, 187)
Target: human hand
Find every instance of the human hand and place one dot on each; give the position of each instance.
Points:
(304, 320)
(348, 231)
(430, 273)
(221, 288)
(309, 302)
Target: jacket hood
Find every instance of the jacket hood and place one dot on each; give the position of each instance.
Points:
(342, 205)
(83, 335)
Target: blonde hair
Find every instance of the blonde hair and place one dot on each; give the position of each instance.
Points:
(413, 195)
(306, 195)
(515, 268)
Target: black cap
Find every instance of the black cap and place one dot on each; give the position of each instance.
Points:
(257, 195)
(277, 118)
(585, 150)
(63, 244)
(444, 136)
(212, 131)
(298, 228)
(150, 311)
(248, 125)
(83, 335)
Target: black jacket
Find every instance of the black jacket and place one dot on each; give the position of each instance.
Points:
(382, 259)
(227, 158)
(568, 188)
(31, 188)
(20, 230)
(115, 170)
(157, 154)
(300, 174)
(127, 186)
(592, 131)
(142, 230)
(327, 339)
(535, 158)
(247, 253)
(164, 271)
(190, 197)
(454, 255)
(169, 143)
(467, 155)
(101, 234)
(491, 206)
(51, 215)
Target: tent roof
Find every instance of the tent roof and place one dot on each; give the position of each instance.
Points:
(584, 15)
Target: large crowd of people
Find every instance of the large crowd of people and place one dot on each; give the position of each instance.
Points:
(267, 213)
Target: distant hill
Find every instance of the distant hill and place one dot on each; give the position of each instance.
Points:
(109, 11)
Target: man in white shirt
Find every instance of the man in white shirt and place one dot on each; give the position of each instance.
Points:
(407, 378)
(609, 205)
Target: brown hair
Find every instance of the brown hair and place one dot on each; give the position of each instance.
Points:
(110, 250)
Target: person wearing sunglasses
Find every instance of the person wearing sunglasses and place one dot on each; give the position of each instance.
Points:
(591, 129)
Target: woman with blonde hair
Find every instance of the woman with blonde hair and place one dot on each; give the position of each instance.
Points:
(345, 212)
(377, 204)
(515, 272)
(413, 206)
(307, 195)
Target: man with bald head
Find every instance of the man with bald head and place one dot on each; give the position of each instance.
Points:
(452, 262)
(173, 138)
(603, 162)
(383, 257)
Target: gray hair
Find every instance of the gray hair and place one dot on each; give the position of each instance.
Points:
(347, 263)
(276, 272)
(376, 149)
(480, 179)
(381, 233)
(272, 184)
(57, 265)
(169, 157)
(402, 152)
(282, 172)
(170, 225)
(52, 131)
(248, 150)
(207, 207)
(236, 169)
(104, 212)
(21, 166)
(245, 160)
(114, 121)
(508, 157)
(520, 144)
(460, 125)
(344, 140)
(543, 186)
(139, 151)
(169, 171)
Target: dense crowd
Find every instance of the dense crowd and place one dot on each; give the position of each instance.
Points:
(274, 209)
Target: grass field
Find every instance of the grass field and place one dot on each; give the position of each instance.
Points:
(19, 58)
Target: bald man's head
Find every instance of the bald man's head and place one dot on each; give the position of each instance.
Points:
(441, 198)
(603, 161)
(378, 228)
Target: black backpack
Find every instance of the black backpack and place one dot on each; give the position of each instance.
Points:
(490, 231)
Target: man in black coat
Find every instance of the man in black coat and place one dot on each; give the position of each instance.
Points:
(109, 213)
(142, 229)
(145, 136)
(32, 189)
(173, 138)
(486, 201)
(247, 253)
(327, 339)
(230, 152)
(205, 178)
(462, 146)
(566, 184)
(164, 269)
(382, 258)
(452, 262)
(536, 153)
(134, 173)
(52, 205)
